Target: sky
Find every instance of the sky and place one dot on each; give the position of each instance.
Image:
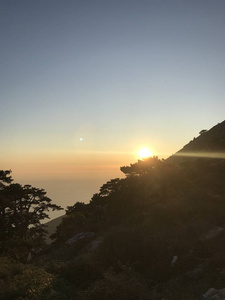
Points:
(84, 84)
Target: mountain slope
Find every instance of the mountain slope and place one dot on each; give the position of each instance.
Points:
(160, 231)
(51, 227)
(212, 140)
(209, 144)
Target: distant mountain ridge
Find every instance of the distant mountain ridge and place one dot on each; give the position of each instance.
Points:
(51, 227)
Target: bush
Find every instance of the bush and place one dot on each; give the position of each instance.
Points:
(121, 245)
(80, 273)
(18, 281)
(123, 286)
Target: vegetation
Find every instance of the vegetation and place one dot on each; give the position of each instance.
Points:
(157, 233)
(22, 208)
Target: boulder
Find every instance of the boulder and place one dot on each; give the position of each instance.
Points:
(94, 245)
(214, 232)
(214, 294)
(174, 259)
(80, 236)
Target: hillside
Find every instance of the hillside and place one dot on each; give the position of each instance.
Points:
(51, 227)
(158, 233)
(210, 143)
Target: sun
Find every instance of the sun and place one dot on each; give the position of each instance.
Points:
(144, 153)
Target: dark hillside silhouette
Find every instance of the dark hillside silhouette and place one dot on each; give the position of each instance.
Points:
(158, 233)
(207, 143)
(202, 161)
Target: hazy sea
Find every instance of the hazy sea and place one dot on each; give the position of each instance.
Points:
(67, 191)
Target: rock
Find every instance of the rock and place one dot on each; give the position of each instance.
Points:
(197, 271)
(94, 245)
(213, 233)
(213, 294)
(80, 236)
(29, 257)
(175, 258)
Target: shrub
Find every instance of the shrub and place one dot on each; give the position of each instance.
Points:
(18, 281)
(123, 286)
(80, 273)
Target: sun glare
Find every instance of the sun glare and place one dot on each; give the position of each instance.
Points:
(144, 153)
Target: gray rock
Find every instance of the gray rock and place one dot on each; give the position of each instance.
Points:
(80, 236)
(94, 245)
(214, 294)
(196, 272)
(214, 232)
(174, 259)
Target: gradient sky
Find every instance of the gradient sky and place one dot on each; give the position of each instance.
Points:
(119, 74)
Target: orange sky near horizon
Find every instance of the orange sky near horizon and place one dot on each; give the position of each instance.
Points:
(56, 164)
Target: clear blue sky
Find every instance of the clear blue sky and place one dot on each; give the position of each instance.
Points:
(119, 74)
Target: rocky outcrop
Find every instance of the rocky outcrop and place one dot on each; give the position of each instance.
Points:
(82, 236)
(214, 232)
(94, 245)
(213, 294)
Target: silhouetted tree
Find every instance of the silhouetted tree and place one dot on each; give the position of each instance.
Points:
(26, 207)
(22, 208)
(203, 131)
(5, 178)
(142, 166)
